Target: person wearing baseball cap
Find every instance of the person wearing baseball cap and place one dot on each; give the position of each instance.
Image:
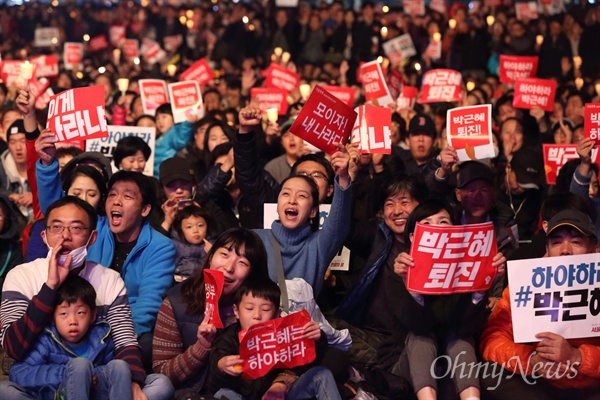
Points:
(421, 140)
(570, 232)
(13, 169)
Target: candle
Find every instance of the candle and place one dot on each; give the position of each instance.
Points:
(385, 63)
(26, 71)
(384, 31)
(539, 39)
(437, 37)
(417, 67)
(285, 57)
(272, 114)
(490, 20)
(579, 83)
(452, 23)
(470, 85)
(598, 89)
(304, 91)
(171, 69)
(278, 51)
(577, 62)
(123, 84)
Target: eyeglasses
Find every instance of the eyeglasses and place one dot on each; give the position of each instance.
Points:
(313, 175)
(75, 230)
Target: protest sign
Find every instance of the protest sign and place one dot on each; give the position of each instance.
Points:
(116, 35)
(469, 131)
(108, 144)
(372, 129)
(452, 259)
(98, 43)
(526, 11)
(172, 42)
(399, 48)
(46, 66)
(373, 80)
(213, 287)
(439, 6)
(152, 52)
(531, 92)
(270, 98)
(153, 93)
(43, 99)
(556, 156)
(281, 77)
(275, 344)
(434, 49)
(131, 48)
(407, 98)
(324, 120)
(73, 55)
(414, 7)
(185, 98)
(78, 114)
(46, 37)
(344, 93)
(199, 71)
(516, 67)
(286, 3)
(341, 262)
(440, 85)
(11, 72)
(555, 294)
(591, 122)
(395, 83)
(39, 86)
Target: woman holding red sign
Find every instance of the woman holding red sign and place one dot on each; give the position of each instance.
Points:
(183, 335)
(428, 320)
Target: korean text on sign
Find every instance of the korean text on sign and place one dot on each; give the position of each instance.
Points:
(278, 343)
(555, 157)
(555, 294)
(517, 67)
(469, 131)
(78, 114)
(452, 259)
(213, 287)
(440, 85)
(531, 92)
(324, 120)
(591, 122)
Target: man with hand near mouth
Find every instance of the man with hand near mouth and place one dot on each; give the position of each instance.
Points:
(30, 294)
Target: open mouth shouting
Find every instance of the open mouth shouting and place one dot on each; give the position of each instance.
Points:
(116, 218)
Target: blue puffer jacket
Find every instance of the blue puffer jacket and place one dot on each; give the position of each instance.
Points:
(42, 371)
(169, 143)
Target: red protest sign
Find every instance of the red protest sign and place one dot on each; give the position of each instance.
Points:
(172, 42)
(152, 52)
(270, 98)
(43, 99)
(372, 129)
(213, 287)
(516, 67)
(373, 80)
(275, 344)
(131, 48)
(531, 92)
(98, 43)
(414, 7)
(73, 55)
(556, 156)
(153, 93)
(469, 131)
(45, 65)
(116, 35)
(345, 94)
(407, 98)
(324, 120)
(395, 82)
(200, 71)
(526, 11)
(185, 97)
(78, 114)
(452, 259)
(11, 72)
(39, 86)
(591, 122)
(281, 77)
(440, 85)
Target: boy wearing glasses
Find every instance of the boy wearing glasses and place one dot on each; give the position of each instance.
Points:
(30, 295)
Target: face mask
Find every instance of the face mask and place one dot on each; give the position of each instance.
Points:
(78, 255)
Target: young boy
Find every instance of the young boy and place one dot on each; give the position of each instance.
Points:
(73, 358)
(170, 137)
(257, 301)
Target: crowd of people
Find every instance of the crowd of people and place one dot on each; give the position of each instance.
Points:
(102, 267)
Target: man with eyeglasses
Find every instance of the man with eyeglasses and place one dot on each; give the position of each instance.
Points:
(30, 294)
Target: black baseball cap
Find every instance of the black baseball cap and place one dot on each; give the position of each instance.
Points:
(422, 124)
(175, 168)
(572, 218)
(470, 171)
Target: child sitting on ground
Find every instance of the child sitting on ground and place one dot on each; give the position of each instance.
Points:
(258, 301)
(74, 357)
(190, 231)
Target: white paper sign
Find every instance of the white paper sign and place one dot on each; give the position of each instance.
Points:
(555, 294)
(470, 122)
(399, 48)
(108, 144)
(46, 37)
(185, 97)
(341, 262)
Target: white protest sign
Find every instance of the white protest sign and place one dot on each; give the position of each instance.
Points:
(46, 37)
(107, 145)
(399, 48)
(341, 262)
(185, 97)
(555, 294)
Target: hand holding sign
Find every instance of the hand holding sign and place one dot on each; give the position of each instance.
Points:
(340, 161)
(45, 146)
(26, 102)
(401, 264)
